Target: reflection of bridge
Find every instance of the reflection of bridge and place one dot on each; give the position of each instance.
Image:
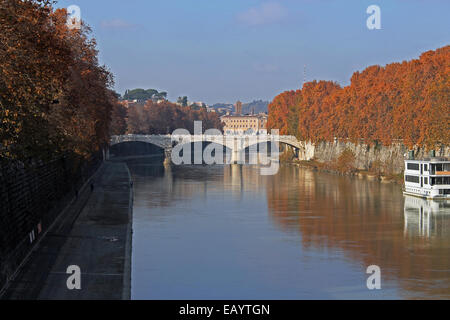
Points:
(236, 144)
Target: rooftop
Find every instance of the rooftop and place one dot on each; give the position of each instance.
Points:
(434, 159)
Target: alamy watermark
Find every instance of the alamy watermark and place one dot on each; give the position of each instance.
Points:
(74, 280)
(374, 20)
(73, 17)
(374, 280)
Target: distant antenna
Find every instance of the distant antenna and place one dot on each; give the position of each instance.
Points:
(304, 75)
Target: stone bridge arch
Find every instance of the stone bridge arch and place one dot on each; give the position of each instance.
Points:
(162, 141)
(237, 144)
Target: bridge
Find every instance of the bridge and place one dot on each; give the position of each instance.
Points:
(235, 144)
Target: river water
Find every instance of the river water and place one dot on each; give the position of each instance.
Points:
(226, 232)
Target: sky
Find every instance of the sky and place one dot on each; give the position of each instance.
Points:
(228, 50)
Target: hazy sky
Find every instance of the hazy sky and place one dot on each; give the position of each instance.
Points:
(225, 50)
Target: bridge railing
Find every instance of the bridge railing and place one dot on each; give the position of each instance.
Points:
(167, 139)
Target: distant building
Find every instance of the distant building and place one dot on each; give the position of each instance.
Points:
(158, 100)
(128, 103)
(245, 124)
(133, 103)
(200, 104)
(222, 111)
(263, 123)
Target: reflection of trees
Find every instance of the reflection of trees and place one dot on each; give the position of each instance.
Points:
(159, 186)
(365, 219)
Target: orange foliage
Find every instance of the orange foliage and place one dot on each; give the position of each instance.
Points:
(408, 101)
(55, 97)
(165, 117)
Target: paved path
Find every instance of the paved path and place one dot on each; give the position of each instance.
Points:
(94, 234)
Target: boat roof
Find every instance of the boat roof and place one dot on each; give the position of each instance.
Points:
(435, 159)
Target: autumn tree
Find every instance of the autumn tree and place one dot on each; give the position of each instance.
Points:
(55, 97)
(34, 64)
(408, 101)
(165, 117)
(118, 119)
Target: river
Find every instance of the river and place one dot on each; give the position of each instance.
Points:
(226, 232)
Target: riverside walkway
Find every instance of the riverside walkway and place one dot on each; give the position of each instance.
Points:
(94, 233)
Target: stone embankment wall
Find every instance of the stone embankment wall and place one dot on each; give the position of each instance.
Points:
(390, 157)
(31, 198)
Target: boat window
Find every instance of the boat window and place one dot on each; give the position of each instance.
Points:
(425, 167)
(413, 166)
(440, 181)
(425, 180)
(439, 167)
(412, 179)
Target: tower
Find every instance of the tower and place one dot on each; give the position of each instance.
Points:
(304, 75)
(238, 108)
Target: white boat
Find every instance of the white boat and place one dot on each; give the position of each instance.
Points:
(428, 178)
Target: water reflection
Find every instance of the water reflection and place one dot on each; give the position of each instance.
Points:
(427, 218)
(365, 219)
(298, 234)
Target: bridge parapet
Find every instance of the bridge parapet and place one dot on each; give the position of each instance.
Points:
(162, 141)
(236, 143)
